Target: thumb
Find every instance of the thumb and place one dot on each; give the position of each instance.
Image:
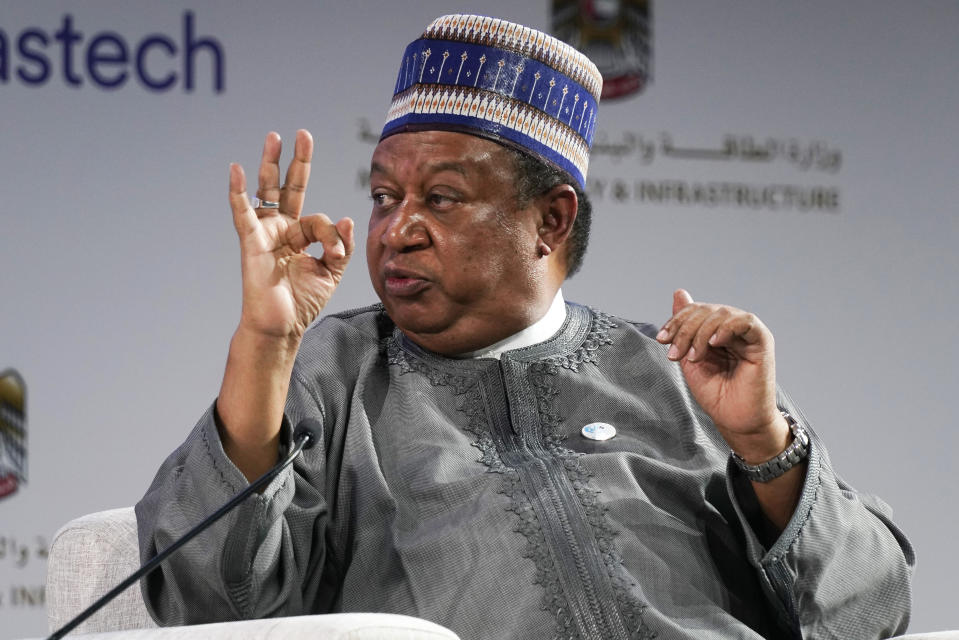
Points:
(338, 248)
(681, 298)
(344, 227)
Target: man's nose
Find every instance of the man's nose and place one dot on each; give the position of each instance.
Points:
(406, 228)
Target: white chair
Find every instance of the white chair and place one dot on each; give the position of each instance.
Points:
(92, 554)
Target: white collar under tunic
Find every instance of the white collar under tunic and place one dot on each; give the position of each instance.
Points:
(540, 331)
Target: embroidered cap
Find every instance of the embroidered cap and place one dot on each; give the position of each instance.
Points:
(503, 81)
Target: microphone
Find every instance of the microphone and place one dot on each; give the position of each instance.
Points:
(304, 437)
(308, 428)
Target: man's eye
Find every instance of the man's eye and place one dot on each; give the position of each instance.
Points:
(379, 199)
(440, 200)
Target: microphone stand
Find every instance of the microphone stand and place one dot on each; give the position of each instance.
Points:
(304, 437)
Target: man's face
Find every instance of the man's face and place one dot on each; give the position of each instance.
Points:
(451, 256)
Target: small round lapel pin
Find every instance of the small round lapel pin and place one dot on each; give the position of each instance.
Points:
(598, 431)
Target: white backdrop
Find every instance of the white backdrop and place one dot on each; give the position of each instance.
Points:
(119, 274)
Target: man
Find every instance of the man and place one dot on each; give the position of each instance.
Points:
(492, 458)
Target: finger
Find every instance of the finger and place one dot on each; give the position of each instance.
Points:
(293, 191)
(337, 240)
(681, 298)
(683, 328)
(269, 177)
(745, 327)
(682, 306)
(345, 229)
(701, 341)
(244, 218)
(681, 302)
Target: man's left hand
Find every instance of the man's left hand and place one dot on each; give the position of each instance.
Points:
(728, 359)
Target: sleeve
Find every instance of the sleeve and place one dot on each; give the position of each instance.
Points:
(841, 568)
(265, 558)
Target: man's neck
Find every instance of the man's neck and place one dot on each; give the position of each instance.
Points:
(540, 331)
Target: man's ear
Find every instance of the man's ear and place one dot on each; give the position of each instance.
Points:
(558, 208)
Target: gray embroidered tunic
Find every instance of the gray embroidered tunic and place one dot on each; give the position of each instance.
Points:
(461, 491)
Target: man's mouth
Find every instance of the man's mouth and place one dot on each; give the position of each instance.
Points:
(404, 283)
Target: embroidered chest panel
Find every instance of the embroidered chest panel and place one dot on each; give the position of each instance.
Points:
(556, 504)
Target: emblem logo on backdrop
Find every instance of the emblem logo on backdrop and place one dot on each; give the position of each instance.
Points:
(614, 34)
(13, 432)
(617, 36)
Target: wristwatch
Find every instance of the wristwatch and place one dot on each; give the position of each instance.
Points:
(796, 452)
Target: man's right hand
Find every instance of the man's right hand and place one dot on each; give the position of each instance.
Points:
(284, 290)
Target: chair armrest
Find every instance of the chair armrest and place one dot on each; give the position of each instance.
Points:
(92, 554)
(334, 626)
(88, 557)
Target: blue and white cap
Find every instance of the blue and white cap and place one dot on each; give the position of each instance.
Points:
(503, 81)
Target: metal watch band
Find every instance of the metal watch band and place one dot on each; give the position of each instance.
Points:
(796, 452)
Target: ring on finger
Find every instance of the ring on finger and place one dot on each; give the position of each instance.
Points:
(264, 204)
